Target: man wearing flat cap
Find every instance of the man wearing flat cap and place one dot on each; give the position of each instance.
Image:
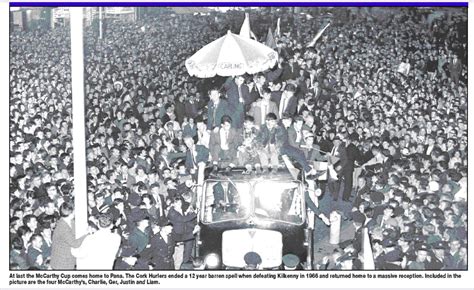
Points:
(437, 259)
(139, 236)
(337, 164)
(420, 261)
(391, 257)
(406, 248)
(159, 253)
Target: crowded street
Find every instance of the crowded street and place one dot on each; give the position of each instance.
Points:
(365, 108)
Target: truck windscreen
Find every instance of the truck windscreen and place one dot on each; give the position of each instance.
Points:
(282, 201)
(226, 200)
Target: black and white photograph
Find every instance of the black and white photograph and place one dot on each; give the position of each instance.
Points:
(238, 138)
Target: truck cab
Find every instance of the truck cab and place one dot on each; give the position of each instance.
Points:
(263, 213)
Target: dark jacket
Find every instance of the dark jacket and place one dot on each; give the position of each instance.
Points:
(160, 253)
(215, 114)
(265, 136)
(219, 194)
(233, 93)
(32, 255)
(202, 155)
(183, 225)
(138, 240)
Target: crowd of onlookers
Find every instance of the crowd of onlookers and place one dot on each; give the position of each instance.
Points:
(381, 103)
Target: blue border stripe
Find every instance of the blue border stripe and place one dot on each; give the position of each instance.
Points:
(245, 4)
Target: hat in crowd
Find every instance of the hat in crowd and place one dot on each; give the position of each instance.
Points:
(162, 222)
(252, 259)
(290, 261)
(439, 245)
(422, 247)
(358, 217)
(418, 238)
(389, 242)
(391, 233)
(438, 213)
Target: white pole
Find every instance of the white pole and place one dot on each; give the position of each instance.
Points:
(52, 18)
(78, 129)
(100, 22)
(335, 229)
(369, 263)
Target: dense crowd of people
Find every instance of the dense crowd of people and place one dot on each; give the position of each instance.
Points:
(375, 112)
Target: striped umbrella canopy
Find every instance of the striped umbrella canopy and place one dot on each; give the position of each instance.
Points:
(231, 55)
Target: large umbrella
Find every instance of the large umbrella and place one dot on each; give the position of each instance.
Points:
(231, 55)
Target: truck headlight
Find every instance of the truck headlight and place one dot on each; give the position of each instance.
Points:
(212, 261)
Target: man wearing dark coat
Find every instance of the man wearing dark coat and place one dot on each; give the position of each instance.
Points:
(139, 237)
(217, 108)
(195, 154)
(455, 68)
(353, 154)
(183, 218)
(160, 251)
(337, 165)
(290, 71)
(286, 101)
(239, 100)
(179, 109)
(34, 253)
(225, 196)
